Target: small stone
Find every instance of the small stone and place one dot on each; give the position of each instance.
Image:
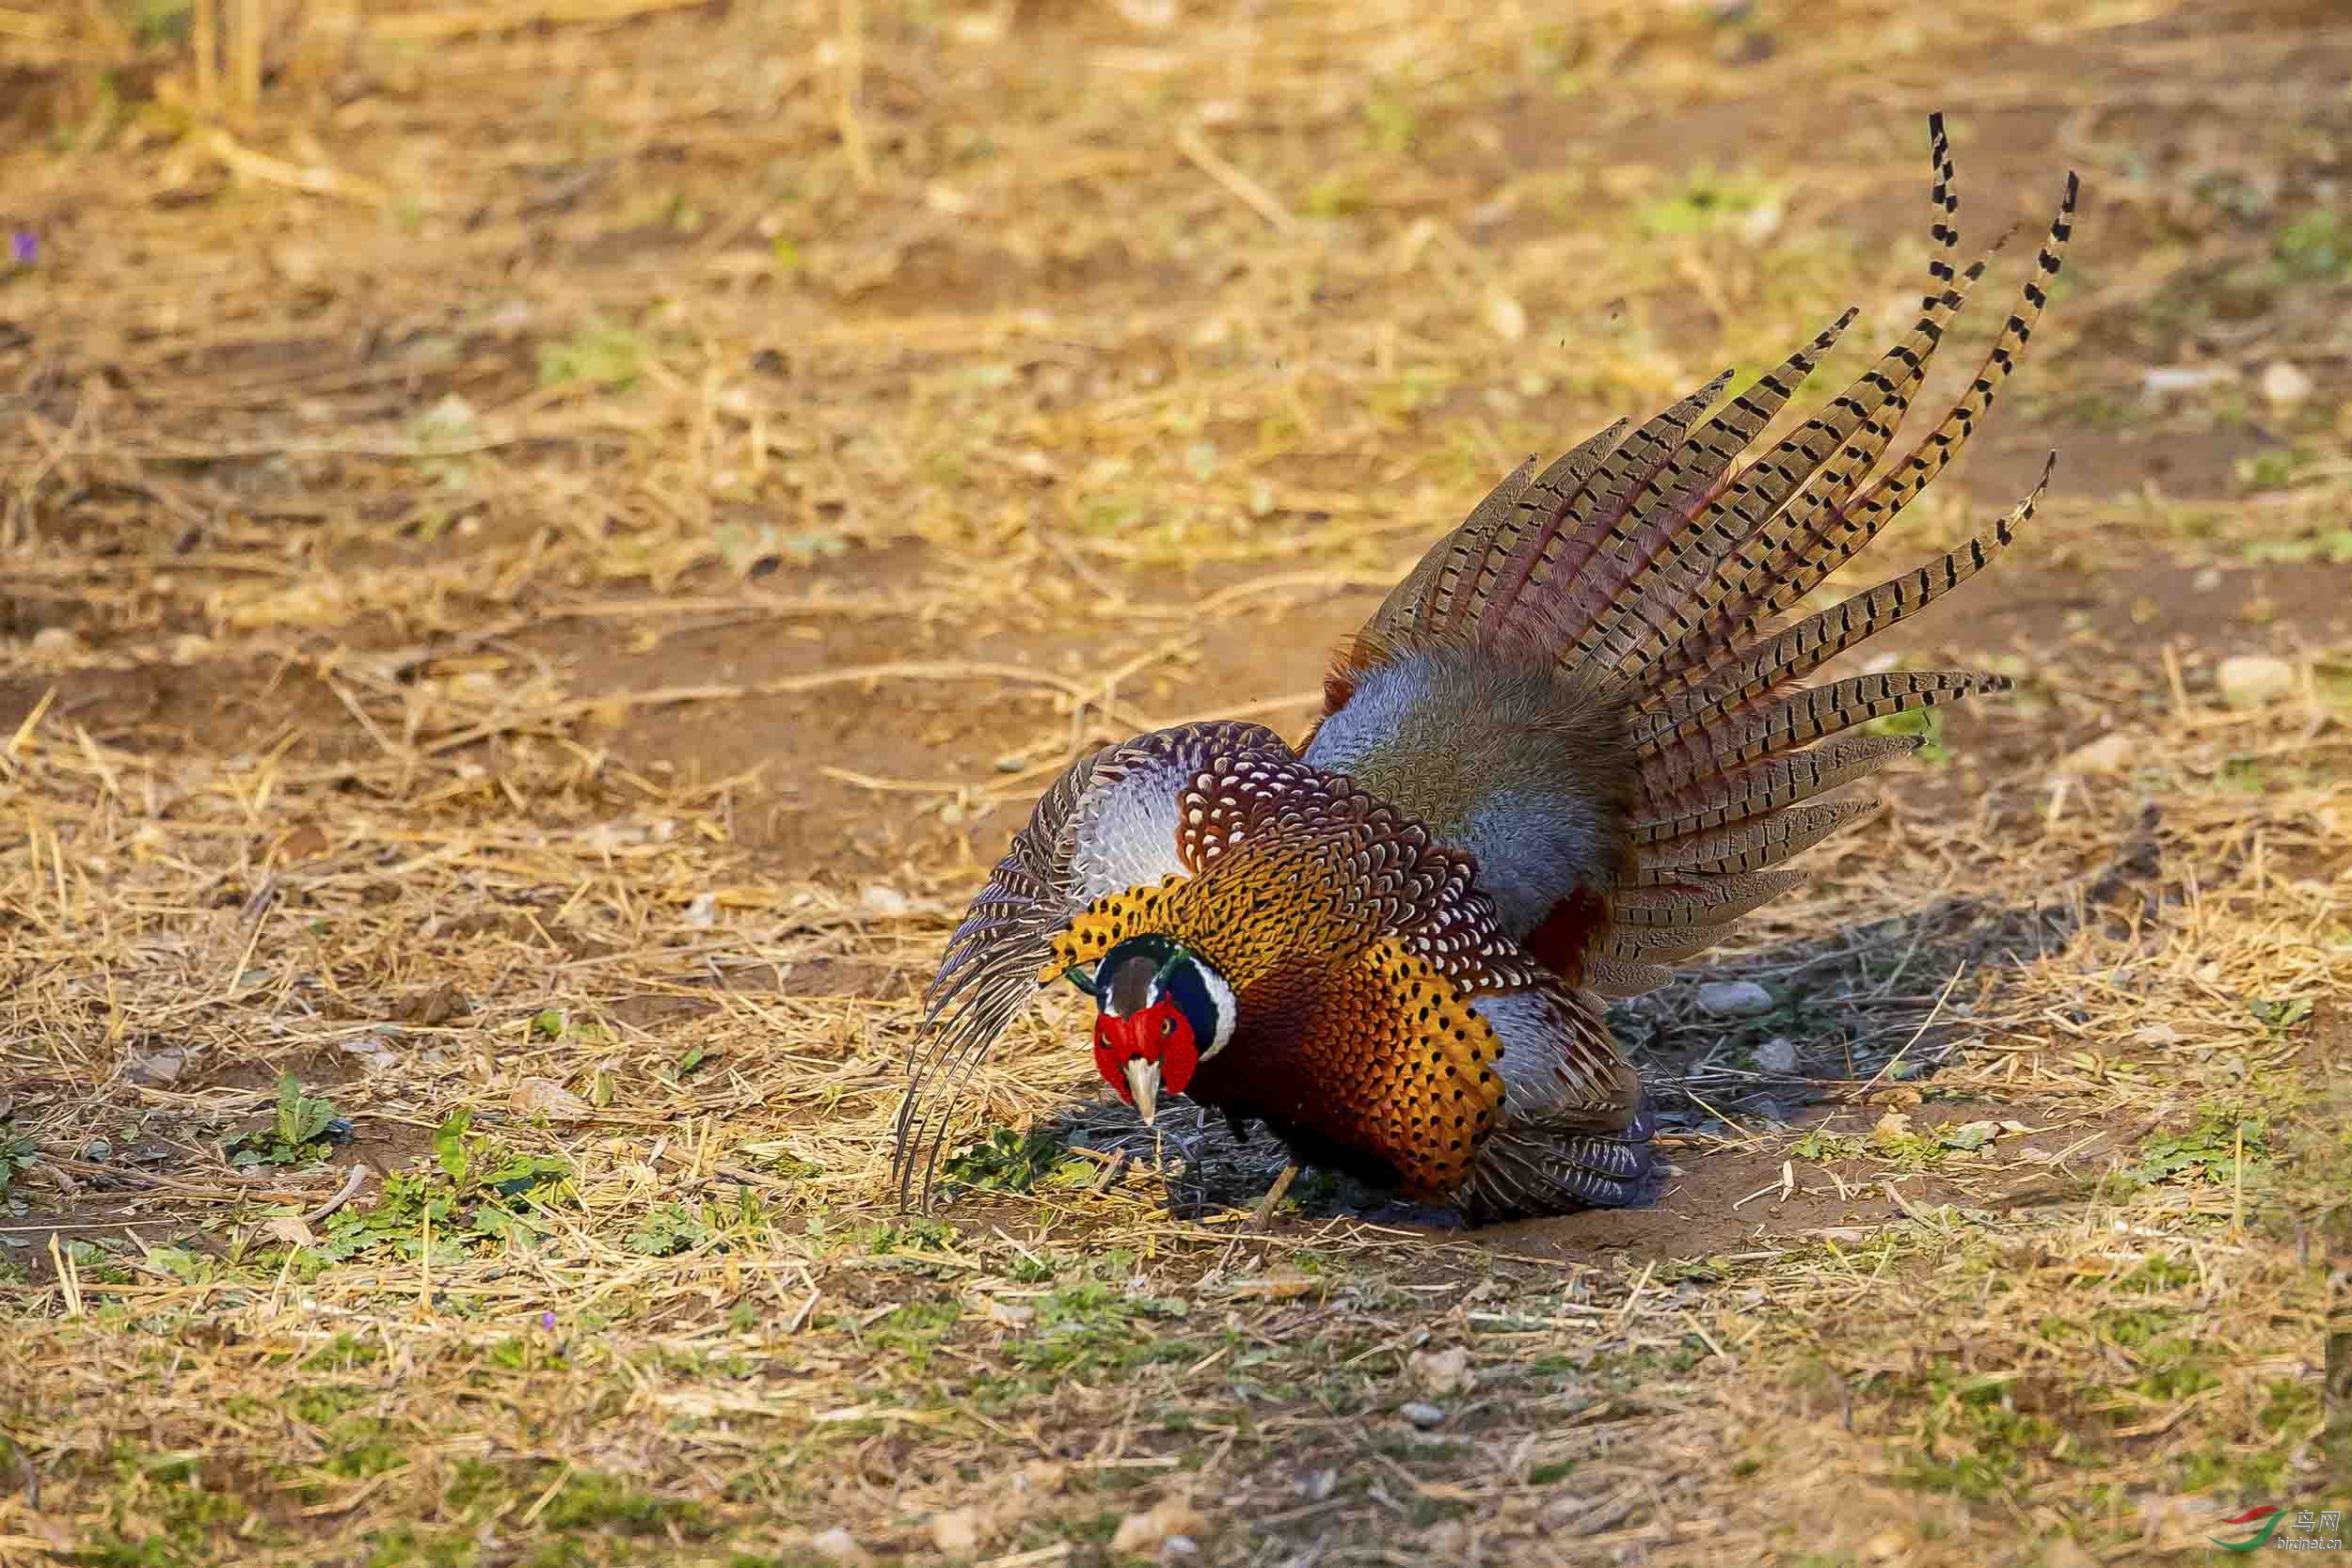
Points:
(957, 1531)
(940, 197)
(98, 1151)
(1439, 1372)
(2252, 680)
(157, 1069)
(885, 900)
(1778, 1055)
(1735, 998)
(2060, 1551)
(980, 27)
(1449, 1541)
(1506, 318)
(1012, 1314)
(2167, 379)
(838, 1545)
(373, 1049)
(2285, 384)
(2109, 754)
(58, 642)
(544, 1097)
(1144, 1533)
(1422, 1415)
(1762, 221)
(703, 911)
(1152, 16)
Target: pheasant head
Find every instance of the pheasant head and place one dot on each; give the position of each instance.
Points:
(1162, 1008)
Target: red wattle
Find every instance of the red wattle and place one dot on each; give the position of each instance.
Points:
(1178, 1060)
(1112, 1064)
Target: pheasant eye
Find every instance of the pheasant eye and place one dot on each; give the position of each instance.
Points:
(1168, 1027)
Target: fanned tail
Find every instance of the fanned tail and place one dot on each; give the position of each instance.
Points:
(1655, 563)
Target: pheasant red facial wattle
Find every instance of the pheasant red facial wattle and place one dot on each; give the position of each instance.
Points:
(1159, 1037)
(1569, 751)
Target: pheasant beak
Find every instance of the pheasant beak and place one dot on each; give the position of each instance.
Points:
(1143, 1087)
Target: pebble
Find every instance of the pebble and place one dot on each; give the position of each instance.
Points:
(957, 1531)
(2250, 680)
(1422, 1415)
(1735, 998)
(2109, 754)
(2285, 384)
(1778, 1055)
(1439, 1372)
(157, 1069)
(837, 1546)
(544, 1097)
(1506, 318)
(884, 899)
(98, 1151)
(1143, 1534)
(2165, 379)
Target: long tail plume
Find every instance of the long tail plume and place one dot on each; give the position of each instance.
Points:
(1660, 561)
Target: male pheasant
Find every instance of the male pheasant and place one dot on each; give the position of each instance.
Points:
(1569, 748)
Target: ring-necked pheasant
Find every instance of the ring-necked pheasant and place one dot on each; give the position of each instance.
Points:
(1568, 748)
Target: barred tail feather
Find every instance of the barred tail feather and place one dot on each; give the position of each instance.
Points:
(1659, 564)
(1813, 542)
(1535, 1168)
(1660, 607)
(1734, 748)
(1806, 645)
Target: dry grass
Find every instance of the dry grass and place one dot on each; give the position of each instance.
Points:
(547, 547)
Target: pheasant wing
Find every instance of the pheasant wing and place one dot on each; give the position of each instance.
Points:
(1112, 820)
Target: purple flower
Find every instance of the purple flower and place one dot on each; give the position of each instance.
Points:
(24, 247)
(547, 1321)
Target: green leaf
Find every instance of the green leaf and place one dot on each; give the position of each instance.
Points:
(602, 353)
(16, 1158)
(1976, 1134)
(1007, 1161)
(187, 1267)
(669, 1228)
(549, 1024)
(2280, 1017)
(448, 1144)
(300, 1119)
(505, 1225)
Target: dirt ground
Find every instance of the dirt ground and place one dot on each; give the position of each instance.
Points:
(547, 553)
